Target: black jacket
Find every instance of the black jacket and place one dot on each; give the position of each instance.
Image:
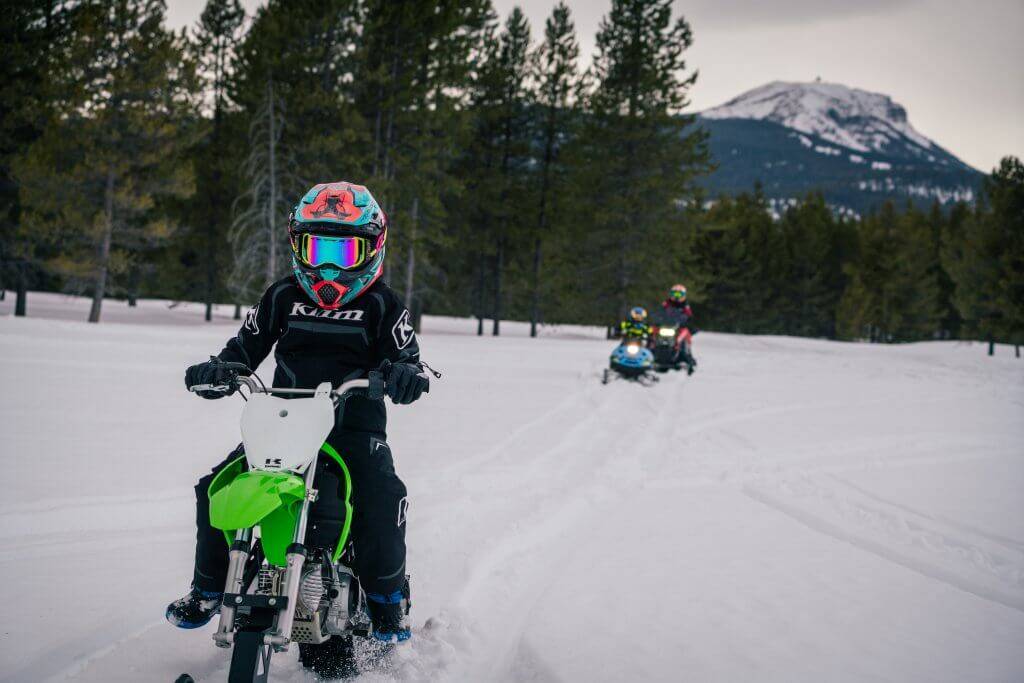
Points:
(315, 345)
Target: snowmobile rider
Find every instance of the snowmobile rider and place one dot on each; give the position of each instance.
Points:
(677, 311)
(635, 327)
(333, 319)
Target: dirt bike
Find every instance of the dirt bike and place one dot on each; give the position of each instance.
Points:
(285, 585)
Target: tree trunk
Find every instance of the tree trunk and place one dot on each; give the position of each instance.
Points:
(499, 264)
(623, 286)
(104, 260)
(21, 294)
(1016, 350)
(417, 315)
(376, 130)
(272, 198)
(535, 307)
(215, 138)
(991, 346)
(478, 300)
(542, 217)
(238, 311)
(410, 259)
(134, 278)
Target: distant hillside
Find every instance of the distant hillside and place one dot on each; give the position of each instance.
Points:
(857, 147)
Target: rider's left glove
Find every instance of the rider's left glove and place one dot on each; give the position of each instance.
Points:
(406, 382)
(209, 372)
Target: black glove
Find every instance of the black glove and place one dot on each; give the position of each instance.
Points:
(406, 382)
(210, 372)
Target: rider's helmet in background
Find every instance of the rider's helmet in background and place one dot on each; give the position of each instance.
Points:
(638, 314)
(337, 233)
(677, 294)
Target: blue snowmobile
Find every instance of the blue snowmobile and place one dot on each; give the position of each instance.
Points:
(630, 360)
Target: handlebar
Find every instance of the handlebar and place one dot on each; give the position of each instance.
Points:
(373, 386)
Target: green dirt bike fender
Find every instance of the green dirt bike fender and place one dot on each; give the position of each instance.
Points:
(241, 499)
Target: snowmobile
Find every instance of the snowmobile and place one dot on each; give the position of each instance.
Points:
(666, 350)
(285, 584)
(630, 360)
(672, 339)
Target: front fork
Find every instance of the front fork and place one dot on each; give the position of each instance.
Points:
(238, 556)
(296, 558)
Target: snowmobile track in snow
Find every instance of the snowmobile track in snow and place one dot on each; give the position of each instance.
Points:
(974, 562)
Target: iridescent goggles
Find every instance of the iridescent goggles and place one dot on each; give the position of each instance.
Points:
(347, 253)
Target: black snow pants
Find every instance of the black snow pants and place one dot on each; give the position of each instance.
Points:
(378, 523)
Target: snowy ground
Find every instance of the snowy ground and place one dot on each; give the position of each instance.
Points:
(797, 511)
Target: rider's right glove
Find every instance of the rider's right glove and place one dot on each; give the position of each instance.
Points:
(209, 372)
(406, 383)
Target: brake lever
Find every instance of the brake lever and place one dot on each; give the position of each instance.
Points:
(220, 388)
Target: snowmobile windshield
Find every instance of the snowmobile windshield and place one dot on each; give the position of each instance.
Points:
(346, 253)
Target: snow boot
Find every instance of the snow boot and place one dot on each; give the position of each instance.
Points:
(195, 609)
(387, 614)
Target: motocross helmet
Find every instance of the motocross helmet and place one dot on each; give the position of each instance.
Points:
(677, 293)
(337, 233)
(638, 314)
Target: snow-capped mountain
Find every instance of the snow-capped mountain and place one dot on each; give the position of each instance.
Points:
(858, 147)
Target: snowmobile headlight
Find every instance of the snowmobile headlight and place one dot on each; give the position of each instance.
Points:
(633, 349)
(667, 332)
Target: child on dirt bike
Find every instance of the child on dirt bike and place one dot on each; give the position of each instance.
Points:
(332, 319)
(635, 327)
(677, 310)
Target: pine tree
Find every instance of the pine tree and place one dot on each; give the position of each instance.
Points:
(1006, 192)
(557, 82)
(512, 137)
(215, 42)
(475, 166)
(917, 276)
(114, 150)
(986, 259)
(893, 292)
(940, 226)
(499, 159)
(636, 157)
(413, 64)
(302, 122)
(728, 255)
(864, 307)
(813, 283)
(34, 35)
(257, 232)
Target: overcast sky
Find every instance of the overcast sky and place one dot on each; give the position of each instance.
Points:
(956, 65)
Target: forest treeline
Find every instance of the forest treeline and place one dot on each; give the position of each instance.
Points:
(137, 161)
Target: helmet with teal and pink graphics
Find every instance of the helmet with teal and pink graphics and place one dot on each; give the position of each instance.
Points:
(337, 233)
